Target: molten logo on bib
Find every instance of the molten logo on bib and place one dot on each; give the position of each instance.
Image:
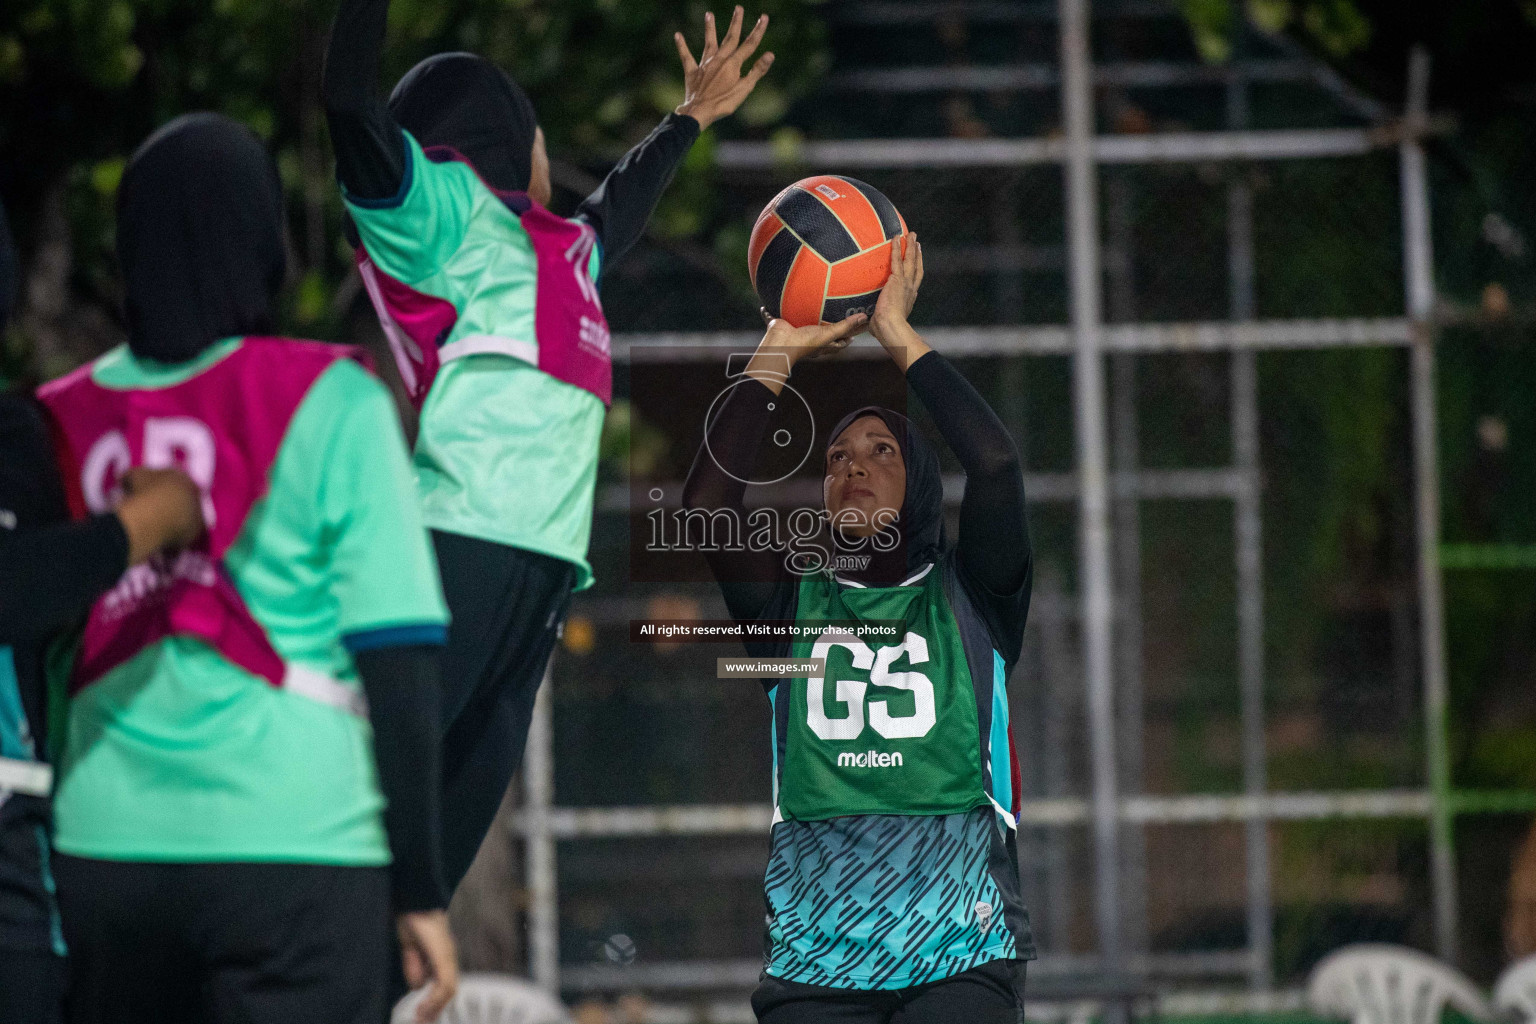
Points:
(869, 759)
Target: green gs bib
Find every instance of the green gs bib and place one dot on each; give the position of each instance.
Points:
(892, 726)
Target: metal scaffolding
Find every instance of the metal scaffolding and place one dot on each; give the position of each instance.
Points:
(1106, 487)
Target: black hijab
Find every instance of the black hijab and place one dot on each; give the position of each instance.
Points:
(467, 103)
(8, 271)
(199, 237)
(920, 526)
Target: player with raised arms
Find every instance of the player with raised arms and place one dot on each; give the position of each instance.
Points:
(490, 303)
(247, 790)
(892, 883)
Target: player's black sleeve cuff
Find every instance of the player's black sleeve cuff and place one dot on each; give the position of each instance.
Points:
(402, 687)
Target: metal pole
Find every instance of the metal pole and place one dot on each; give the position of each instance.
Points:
(1060, 693)
(1055, 340)
(1007, 284)
(1045, 812)
(1178, 147)
(1093, 503)
(1125, 527)
(1418, 271)
(538, 797)
(1008, 300)
(1249, 557)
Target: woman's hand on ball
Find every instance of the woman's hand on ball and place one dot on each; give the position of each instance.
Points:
(889, 324)
(784, 345)
(814, 341)
(900, 291)
(713, 85)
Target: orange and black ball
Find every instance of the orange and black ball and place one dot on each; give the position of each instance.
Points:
(820, 251)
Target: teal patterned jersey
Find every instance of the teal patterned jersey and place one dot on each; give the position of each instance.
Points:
(886, 901)
(901, 888)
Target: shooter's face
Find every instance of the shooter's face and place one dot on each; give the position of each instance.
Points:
(866, 479)
(539, 188)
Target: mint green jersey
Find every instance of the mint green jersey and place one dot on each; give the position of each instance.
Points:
(178, 754)
(507, 449)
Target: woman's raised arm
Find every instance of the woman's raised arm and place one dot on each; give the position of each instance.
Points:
(714, 86)
(994, 532)
(723, 465)
(369, 146)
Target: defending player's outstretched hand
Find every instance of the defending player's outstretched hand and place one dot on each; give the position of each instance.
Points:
(713, 86)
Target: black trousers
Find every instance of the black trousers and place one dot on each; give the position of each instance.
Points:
(224, 943)
(507, 605)
(31, 986)
(990, 994)
(31, 971)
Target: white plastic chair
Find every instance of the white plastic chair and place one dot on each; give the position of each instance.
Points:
(1374, 983)
(490, 999)
(1515, 994)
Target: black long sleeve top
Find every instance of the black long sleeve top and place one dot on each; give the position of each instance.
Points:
(995, 558)
(50, 568)
(404, 692)
(370, 150)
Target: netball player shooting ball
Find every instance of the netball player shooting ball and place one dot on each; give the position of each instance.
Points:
(892, 884)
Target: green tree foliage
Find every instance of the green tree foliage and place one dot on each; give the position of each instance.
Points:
(84, 81)
(1336, 27)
